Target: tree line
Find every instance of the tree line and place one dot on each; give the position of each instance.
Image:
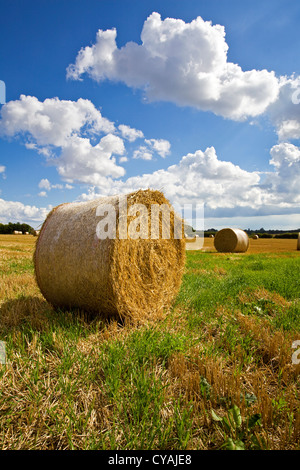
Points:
(11, 227)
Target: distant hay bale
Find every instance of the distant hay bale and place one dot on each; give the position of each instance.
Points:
(133, 278)
(298, 242)
(255, 237)
(231, 240)
(211, 236)
(16, 232)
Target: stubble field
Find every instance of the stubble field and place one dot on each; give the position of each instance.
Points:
(219, 371)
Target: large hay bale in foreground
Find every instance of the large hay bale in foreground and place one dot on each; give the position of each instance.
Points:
(231, 240)
(298, 242)
(132, 278)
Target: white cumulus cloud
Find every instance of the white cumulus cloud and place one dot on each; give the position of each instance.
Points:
(145, 152)
(161, 146)
(199, 176)
(224, 188)
(284, 154)
(75, 138)
(130, 133)
(284, 113)
(14, 211)
(184, 63)
(81, 161)
(69, 128)
(142, 153)
(53, 121)
(284, 182)
(45, 184)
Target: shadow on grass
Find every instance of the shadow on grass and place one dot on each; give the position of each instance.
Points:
(36, 314)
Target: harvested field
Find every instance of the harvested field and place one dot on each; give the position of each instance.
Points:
(261, 245)
(219, 371)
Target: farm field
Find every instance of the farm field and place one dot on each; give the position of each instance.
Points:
(262, 245)
(219, 371)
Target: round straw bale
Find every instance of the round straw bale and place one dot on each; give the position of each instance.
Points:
(231, 240)
(255, 237)
(134, 278)
(298, 242)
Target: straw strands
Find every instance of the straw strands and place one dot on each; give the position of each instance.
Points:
(231, 240)
(135, 278)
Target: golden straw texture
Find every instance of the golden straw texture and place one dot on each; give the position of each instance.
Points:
(231, 240)
(133, 278)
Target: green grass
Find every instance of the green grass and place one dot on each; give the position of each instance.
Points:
(16, 267)
(201, 293)
(215, 373)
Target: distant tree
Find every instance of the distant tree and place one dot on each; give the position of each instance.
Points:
(265, 235)
(11, 227)
(286, 235)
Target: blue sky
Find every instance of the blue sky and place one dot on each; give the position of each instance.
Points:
(160, 97)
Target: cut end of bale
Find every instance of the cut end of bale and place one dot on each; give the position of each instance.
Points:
(133, 278)
(231, 240)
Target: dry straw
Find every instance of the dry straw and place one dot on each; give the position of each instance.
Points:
(231, 240)
(298, 242)
(133, 278)
(195, 243)
(255, 237)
